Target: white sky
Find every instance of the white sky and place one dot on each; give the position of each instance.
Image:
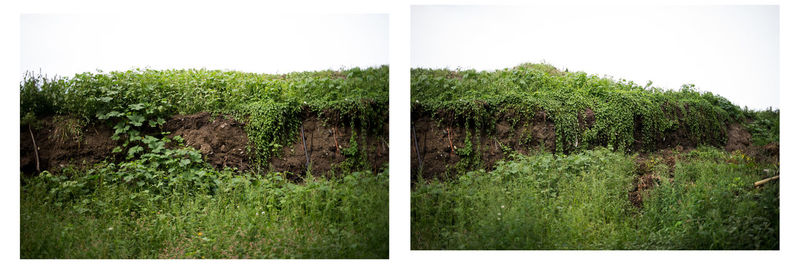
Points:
(264, 43)
(728, 50)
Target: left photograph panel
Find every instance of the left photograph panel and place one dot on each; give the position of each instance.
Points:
(209, 137)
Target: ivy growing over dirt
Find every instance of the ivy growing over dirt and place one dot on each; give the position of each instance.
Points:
(618, 105)
(137, 101)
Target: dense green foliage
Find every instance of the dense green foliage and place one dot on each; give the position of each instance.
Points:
(202, 213)
(765, 127)
(163, 201)
(470, 96)
(270, 104)
(580, 201)
(168, 203)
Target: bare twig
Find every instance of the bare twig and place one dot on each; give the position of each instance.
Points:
(335, 141)
(416, 146)
(303, 136)
(452, 149)
(35, 149)
(762, 182)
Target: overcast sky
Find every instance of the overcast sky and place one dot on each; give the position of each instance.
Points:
(728, 50)
(265, 43)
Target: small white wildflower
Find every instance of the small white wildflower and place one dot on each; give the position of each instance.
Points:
(262, 212)
(417, 101)
(110, 228)
(498, 214)
(256, 213)
(503, 206)
(498, 219)
(237, 207)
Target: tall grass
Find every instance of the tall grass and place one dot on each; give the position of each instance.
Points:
(581, 201)
(246, 216)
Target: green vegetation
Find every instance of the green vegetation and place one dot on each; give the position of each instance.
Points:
(580, 201)
(586, 194)
(765, 127)
(478, 98)
(159, 199)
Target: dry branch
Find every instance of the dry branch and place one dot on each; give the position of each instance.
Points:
(452, 149)
(303, 136)
(416, 146)
(762, 182)
(335, 141)
(35, 149)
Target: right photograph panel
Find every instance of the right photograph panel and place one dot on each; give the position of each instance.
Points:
(612, 128)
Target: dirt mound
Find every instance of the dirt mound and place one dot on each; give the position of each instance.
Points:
(321, 141)
(222, 141)
(63, 141)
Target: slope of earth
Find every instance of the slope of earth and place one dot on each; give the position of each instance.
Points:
(222, 141)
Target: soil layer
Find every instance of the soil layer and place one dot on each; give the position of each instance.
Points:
(222, 141)
(435, 142)
(61, 142)
(320, 145)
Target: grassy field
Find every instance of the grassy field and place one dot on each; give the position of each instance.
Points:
(649, 172)
(157, 198)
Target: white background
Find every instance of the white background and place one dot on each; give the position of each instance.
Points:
(400, 61)
(267, 43)
(728, 50)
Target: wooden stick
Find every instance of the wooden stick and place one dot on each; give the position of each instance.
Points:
(416, 146)
(452, 150)
(762, 182)
(335, 141)
(35, 149)
(303, 136)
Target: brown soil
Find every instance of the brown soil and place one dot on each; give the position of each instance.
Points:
(646, 178)
(59, 145)
(323, 154)
(222, 140)
(439, 157)
(738, 138)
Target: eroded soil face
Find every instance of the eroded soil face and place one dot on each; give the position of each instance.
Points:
(324, 144)
(62, 142)
(222, 141)
(439, 143)
(436, 144)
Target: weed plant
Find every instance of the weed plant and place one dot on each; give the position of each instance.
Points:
(581, 201)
